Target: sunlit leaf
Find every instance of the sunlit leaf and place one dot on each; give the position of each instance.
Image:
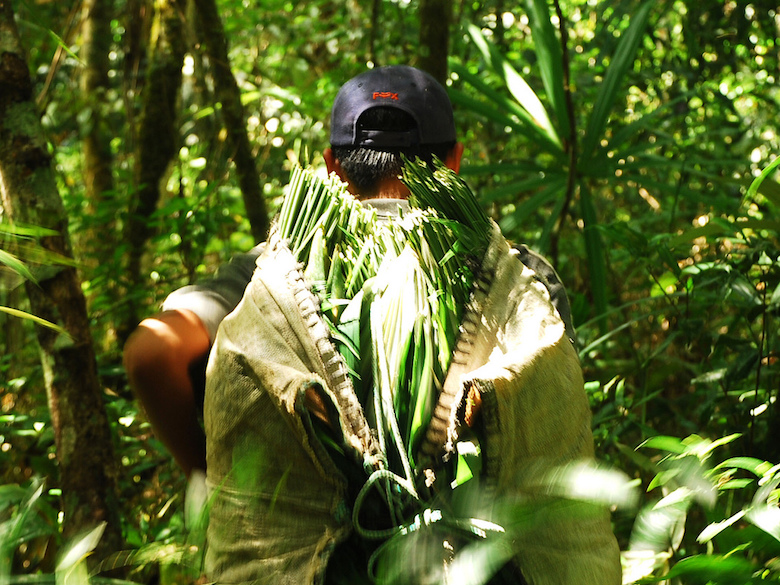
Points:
(517, 86)
(664, 443)
(756, 184)
(736, 484)
(81, 548)
(756, 466)
(624, 57)
(16, 265)
(478, 562)
(713, 569)
(34, 318)
(640, 564)
(27, 231)
(716, 528)
(547, 46)
(662, 478)
(767, 518)
(500, 109)
(765, 490)
(658, 528)
(595, 484)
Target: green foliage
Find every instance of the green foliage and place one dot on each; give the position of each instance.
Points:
(627, 155)
(714, 523)
(21, 240)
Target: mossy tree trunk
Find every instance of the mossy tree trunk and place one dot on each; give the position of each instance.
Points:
(88, 472)
(228, 95)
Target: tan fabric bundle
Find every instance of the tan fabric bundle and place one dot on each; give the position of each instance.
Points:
(278, 500)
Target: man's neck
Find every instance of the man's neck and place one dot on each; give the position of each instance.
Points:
(391, 188)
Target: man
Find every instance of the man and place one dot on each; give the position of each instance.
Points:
(281, 511)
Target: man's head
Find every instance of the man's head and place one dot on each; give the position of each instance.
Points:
(381, 115)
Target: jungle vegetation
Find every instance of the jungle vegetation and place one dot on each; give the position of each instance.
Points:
(632, 142)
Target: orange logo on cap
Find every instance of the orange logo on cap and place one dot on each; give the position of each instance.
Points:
(386, 95)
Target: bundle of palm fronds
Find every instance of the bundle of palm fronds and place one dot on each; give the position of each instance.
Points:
(392, 292)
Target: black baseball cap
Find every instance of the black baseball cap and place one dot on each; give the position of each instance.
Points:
(397, 86)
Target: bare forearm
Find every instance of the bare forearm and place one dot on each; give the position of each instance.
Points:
(157, 359)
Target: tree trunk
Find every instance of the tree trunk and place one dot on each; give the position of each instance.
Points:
(229, 96)
(88, 472)
(158, 140)
(96, 43)
(95, 242)
(435, 19)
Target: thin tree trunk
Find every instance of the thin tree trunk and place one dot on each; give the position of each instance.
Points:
(158, 140)
(88, 471)
(373, 30)
(435, 19)
(95, 243)
(229, 96)
(96, 43)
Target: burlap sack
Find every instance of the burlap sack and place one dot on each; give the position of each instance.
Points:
(278, 503)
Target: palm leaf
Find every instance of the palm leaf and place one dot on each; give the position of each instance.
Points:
(516, 85)
(624, 57)
(551, 190)
(517, 189)
(548, 50)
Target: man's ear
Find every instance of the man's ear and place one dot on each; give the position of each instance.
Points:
(332, 164)
(453, 157)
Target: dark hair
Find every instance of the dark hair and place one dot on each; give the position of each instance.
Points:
(367, 167)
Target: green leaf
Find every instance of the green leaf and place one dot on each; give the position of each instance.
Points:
(665, 443)
(735, 484)
(716, 528)
(34, 318)
(499, 101)
(767, 518)
(81, 548)
(756, 184)
(757, 467)
(516, 85)
(622, 60)
(712, 229)
(551, 191)
(16, 265)
(650, 120)
(550, 56)
(26, 231)
(713, 569)
(500, 109)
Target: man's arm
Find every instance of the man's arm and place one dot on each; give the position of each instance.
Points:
(165, 355)
(158, 357)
